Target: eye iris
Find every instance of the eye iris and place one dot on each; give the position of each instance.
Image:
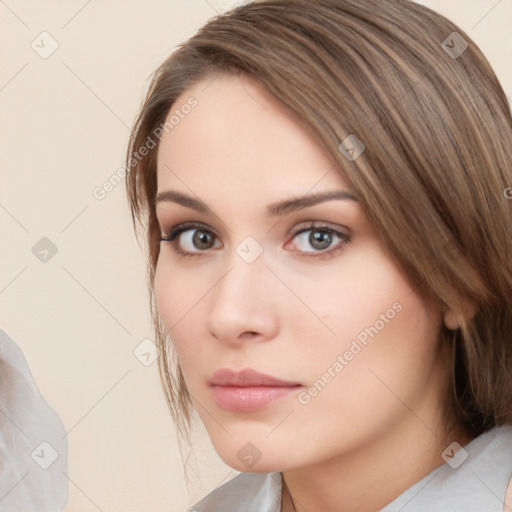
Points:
(203, 240)
(320, 239)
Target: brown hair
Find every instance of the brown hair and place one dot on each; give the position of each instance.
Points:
(432, 179)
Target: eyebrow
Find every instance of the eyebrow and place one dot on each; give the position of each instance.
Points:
(273, 210)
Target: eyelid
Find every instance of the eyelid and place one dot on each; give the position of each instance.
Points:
(179, 228)
(318, 224)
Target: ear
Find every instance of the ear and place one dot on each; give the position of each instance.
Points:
(453, 319)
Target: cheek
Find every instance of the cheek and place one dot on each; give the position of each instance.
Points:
(178, 300)
(167, 293)
(347, 298)
(176, 290)
(371, 317)
(178, 297)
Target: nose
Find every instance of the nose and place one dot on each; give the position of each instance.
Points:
(243, 304)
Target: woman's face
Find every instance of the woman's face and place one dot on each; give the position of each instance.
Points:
(279, 277)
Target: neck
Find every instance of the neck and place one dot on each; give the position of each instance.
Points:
(371, 476)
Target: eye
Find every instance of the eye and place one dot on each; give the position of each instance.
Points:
(191, 239)
(318, 240)
(194, 239)
(197, 239)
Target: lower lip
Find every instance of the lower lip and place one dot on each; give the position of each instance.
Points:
(248, 399)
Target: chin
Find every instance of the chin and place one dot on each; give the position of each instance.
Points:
(249, 457)
(260, 467)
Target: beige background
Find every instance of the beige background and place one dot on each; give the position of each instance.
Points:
(79, 316)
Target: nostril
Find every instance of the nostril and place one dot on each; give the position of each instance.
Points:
(251, 334)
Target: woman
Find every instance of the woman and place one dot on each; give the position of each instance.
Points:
(323, 188)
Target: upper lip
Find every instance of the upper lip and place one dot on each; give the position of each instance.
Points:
(246, 378)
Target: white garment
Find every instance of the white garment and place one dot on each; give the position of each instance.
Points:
(478, 484)
(33, 442)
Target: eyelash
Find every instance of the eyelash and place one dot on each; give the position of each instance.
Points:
(172, 239)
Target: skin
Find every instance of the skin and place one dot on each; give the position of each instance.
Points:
(290, 313)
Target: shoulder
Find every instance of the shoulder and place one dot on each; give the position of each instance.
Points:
(250, 492)
(477, 479)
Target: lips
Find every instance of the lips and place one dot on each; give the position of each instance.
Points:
(247, 378)
(248, 390)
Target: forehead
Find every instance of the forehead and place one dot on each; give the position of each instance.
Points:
(240, 139)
